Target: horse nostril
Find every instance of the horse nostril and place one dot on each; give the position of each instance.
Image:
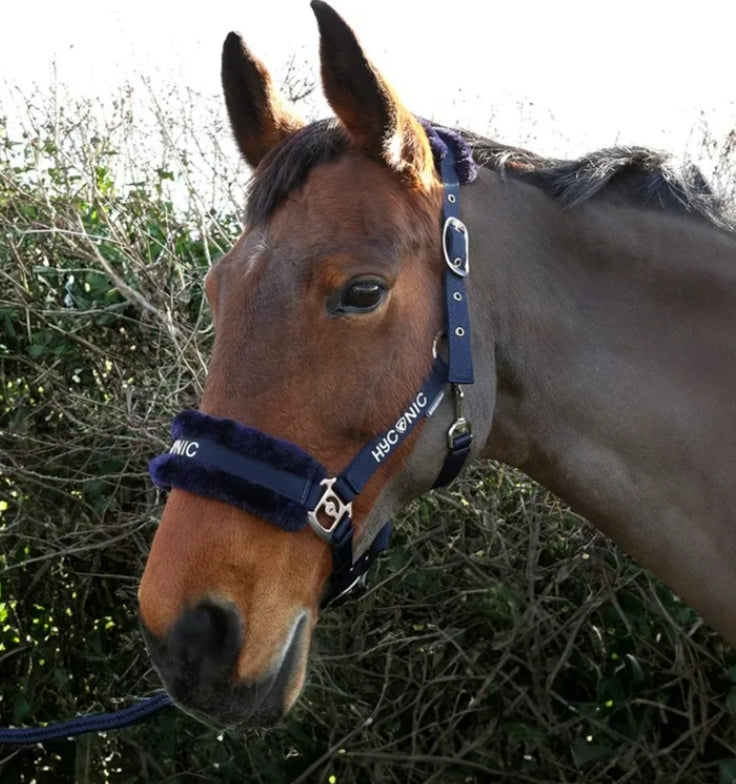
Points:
(205, 642)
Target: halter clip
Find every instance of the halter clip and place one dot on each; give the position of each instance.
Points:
(461, 426)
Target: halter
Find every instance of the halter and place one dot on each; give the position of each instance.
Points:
(280, 482)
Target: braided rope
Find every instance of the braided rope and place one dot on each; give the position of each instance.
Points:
(96, 722)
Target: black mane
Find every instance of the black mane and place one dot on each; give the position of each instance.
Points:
(632, 175)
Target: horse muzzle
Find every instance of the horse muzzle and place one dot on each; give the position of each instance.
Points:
(198, 665)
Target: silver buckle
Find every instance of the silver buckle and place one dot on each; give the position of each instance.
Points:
(459, 427)
(330, 505)
(460, 266)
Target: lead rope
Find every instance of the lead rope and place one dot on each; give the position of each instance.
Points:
(94, 722)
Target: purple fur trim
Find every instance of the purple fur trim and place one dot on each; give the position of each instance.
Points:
(246, 440)
(174, 471)
(186, 473)
(439, 138)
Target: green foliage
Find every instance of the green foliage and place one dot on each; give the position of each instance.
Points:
(504, 641)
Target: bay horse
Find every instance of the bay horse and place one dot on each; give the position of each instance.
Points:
(601, 298)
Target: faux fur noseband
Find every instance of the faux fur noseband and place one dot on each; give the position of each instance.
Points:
(219, 458)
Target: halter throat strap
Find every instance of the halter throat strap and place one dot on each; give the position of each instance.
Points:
(278, 481)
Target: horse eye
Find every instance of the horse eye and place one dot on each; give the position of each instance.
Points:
(362, 296)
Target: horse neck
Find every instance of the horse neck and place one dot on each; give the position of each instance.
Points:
(612, 331)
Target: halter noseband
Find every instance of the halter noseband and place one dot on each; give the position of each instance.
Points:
(280, 482)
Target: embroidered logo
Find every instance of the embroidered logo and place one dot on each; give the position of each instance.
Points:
(184, 448)
(403, 424)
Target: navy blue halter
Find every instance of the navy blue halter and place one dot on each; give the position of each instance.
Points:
(280, 482)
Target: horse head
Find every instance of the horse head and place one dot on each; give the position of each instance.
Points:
(327, 311)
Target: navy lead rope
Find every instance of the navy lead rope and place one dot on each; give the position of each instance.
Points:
(97, 722)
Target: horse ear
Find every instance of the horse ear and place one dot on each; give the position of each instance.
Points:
(259, 117)
(365, 103)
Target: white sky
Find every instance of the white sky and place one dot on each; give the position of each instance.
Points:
(561, 77)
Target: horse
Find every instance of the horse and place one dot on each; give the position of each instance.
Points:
(600, 314)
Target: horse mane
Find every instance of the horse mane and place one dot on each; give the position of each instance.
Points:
(636, 176)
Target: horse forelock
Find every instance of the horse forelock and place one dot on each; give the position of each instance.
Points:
(287, 166)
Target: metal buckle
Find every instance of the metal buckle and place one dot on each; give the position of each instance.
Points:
(460, 265)
(332, 506)
(461, 425)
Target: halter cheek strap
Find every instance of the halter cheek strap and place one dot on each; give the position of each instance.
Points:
(278, 481)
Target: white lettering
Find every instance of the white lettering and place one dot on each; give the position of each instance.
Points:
(393, 436)
(380, 451)
(184, 448)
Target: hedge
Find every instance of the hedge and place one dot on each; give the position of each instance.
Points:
(504, 641)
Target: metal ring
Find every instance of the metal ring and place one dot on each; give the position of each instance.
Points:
(457, 296)
(460, 332)
(451, 198)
